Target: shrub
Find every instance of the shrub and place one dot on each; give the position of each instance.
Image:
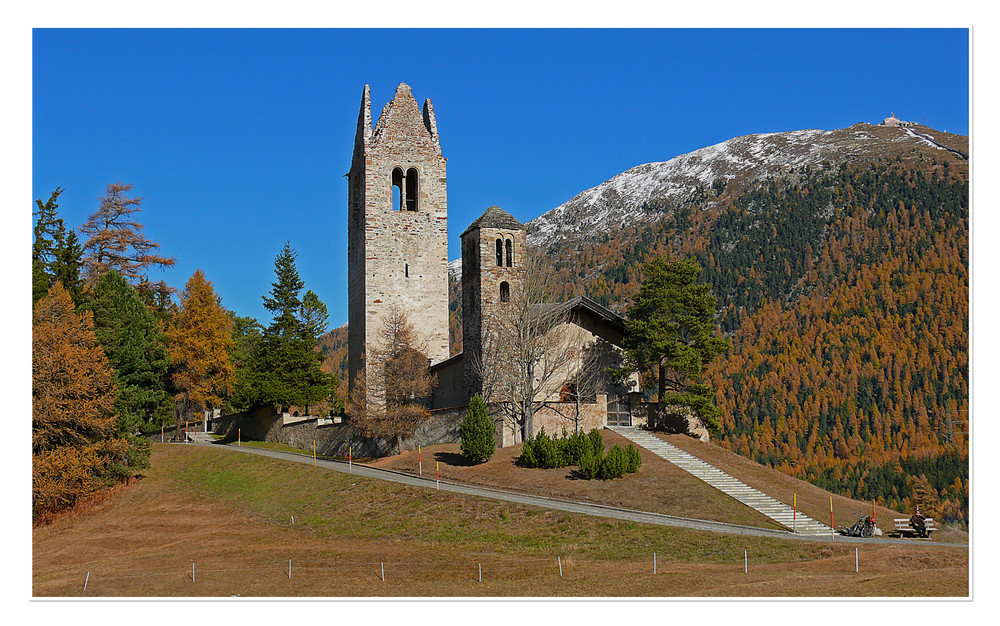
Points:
(476, 432)
(590, 464)
(576, 449)
(573, 448)
(616, 463)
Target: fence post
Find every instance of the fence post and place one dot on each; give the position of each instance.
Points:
(654, 563)
(480, 572)
(795, 509)
(314, 452)
(383, 571)
(350, 460)
(289, 569)
(437, 476)
(559, 558)
(420, 461)
(192, 572)
(88, 579)
(746, 563)
(239, 437)
(856, 560)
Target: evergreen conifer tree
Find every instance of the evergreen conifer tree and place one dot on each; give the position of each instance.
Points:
(671, 329)
(477, 432)
(136, 347)
(285, 364)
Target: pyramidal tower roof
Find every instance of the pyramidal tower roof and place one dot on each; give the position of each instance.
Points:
(495, 217)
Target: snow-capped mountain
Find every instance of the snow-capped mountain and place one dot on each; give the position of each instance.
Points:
(738, 162)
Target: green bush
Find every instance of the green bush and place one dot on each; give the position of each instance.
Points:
(590, 464)
(550, 452)
(616, 463)
(476, 432)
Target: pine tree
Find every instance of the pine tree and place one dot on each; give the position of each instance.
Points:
(43, 248)
(284, 303)
(75, 449)
(672, 328)
(285, 366)
(200, 344)
(477, 432)
(68, 263)
(313, 316)
(136, 346)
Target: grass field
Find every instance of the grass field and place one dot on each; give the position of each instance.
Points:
(231, 515)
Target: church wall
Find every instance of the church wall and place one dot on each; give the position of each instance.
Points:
(450, 389)
(557, 416)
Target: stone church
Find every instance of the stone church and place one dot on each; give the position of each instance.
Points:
(398, 257)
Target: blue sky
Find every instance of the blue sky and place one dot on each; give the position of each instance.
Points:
(238, 139)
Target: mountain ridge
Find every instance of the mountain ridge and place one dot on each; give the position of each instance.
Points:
(730, 166)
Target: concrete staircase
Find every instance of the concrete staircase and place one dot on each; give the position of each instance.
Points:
(757, 500)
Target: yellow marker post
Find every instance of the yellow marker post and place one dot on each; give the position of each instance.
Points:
(420, 461)
(437, 476)
(795, 509)
(314, 453)
(831, 519)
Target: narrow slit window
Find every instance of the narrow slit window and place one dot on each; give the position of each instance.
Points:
(499, 252)
(406, 270)
(510, 253)
(504, 291)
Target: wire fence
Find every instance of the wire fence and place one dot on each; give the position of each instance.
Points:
(313, 570)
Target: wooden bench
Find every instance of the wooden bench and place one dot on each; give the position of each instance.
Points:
(902, 526)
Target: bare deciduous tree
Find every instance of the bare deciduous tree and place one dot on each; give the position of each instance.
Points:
(524, 355)
(398, 381)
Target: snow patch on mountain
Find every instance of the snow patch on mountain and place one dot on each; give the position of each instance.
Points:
(619, 201)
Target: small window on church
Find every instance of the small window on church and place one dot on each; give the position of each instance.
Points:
(499, 252)
(397, 189)
(510, 253)
(504, 291)
(411, 189)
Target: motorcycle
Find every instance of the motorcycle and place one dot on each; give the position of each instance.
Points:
(864, 527)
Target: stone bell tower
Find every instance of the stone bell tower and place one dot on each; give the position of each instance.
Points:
(397, 228)
(493, 253)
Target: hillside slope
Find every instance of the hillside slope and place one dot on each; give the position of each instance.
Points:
(841, 264)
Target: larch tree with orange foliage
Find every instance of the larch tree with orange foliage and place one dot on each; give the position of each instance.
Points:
(114, 241)
(200, 344)
(76, 449)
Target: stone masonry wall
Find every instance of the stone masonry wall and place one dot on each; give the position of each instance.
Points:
(397, 257)
(335, 439)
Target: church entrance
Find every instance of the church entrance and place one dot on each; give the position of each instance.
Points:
(618, 410)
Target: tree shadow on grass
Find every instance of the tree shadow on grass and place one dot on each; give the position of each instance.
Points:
(453, 459)
(230, 438)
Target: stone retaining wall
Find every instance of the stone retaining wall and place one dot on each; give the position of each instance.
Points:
(336, 439)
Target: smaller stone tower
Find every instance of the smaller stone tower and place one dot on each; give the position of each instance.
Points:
(493, 254)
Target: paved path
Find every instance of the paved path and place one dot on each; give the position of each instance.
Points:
(756, 500)
(541, 501)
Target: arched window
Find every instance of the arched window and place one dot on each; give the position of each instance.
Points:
(504, 291)
(411, 189)
(397, 189)
(499, 252)
(510, 253)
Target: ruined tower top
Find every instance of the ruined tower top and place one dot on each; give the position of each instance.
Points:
(401, 120)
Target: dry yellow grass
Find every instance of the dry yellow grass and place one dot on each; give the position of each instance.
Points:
(230, 513)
